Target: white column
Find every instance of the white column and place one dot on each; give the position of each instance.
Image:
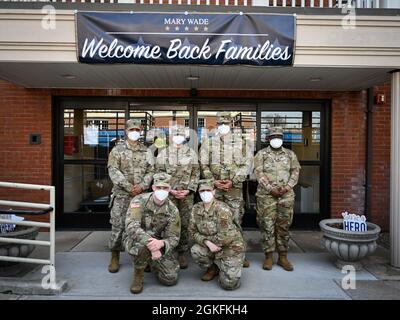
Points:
(395, 174)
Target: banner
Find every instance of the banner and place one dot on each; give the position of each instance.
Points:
(185, 38)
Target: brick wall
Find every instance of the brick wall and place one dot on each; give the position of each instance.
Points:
(28, 110)
(380, 196)
(24, 111)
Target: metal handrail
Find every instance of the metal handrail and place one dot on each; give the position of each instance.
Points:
(47, 208)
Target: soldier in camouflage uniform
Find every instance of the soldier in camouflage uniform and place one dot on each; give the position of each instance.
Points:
(130, 167)
(153, 228)
(226, 159)
(219, 244)
(181, 162)
(277, 170)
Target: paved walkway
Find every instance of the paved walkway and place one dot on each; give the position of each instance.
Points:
(82, 259)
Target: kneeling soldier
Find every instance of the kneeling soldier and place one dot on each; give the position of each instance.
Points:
(219, 244)
(153, 230)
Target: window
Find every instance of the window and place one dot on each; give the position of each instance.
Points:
(102, 124)
(201, 122)
(186, 123)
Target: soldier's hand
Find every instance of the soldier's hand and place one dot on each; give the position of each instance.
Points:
(155, 255)
(276, 192)
(155, 245)
(174, 192)
(285, 190)
(227, 185)
(218, 184)
(213, 247)
(136, 190)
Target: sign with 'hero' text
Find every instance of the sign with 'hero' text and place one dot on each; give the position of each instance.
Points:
(185, 38)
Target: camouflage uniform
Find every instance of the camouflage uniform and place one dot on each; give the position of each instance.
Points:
(217, 226)
(145, 220)
(274, 215)
(227, 158)
(128, 165)
(182, 164)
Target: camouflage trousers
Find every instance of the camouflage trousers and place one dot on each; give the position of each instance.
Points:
(234, 199)
(120, 204)
(230, 267)
(185, 208)
(274, 217)
(166, 268)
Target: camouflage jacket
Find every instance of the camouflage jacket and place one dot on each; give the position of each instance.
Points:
(129, 165)
(145, 220)
(217, 226)
(280, 167)
(227, 158)
(182, 164)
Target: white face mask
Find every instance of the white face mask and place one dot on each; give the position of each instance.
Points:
(276, 143)
(134, 135)
(161, 194)
(178, 139)
(206, 196)
(224, 129)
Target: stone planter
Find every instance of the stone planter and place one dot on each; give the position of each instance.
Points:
(15, 249)
(350, 247)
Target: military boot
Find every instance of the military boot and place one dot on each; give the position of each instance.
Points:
(183, 263)
(211, 272)
(268, 261)
(137, 283)
(284, 262)
(246, 263)
(114, 264)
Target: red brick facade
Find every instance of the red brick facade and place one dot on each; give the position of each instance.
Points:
(24, 111)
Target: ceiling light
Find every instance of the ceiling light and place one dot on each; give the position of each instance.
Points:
(192, 78)
(68, 76)
(315, 79)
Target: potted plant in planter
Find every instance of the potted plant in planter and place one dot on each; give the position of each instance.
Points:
(16, 249)
(350, 239)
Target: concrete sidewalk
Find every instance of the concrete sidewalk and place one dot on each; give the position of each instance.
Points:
(82, 259)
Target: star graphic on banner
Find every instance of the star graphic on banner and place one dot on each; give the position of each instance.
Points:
(167, 28)
(186, 28)
(205, 29)
(177, 28)
(196, 28)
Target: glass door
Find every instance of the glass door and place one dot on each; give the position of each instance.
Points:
(157, 118)
(304, 127)
(88, 136)
(244, 121)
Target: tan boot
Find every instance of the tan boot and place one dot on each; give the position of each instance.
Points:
(137, 283)
(211, 272)
(113, 267)
(183, 263)
(284, 262)
(268, 261)
(246, 263)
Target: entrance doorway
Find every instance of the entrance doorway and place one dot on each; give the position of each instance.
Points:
(87, 129)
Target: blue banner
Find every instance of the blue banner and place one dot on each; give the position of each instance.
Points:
(185, 38)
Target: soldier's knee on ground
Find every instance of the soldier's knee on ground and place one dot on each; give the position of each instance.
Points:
(229, 283)
(168, 280)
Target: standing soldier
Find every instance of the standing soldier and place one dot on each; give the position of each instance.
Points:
(219, 244)
(277, 170)
(153, 229)
(181, 162)
(131, 168)
(226, 159)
